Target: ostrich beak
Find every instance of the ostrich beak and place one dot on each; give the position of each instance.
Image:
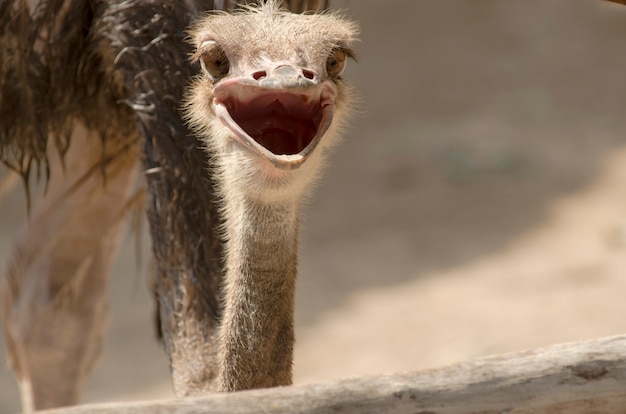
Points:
(280, 114)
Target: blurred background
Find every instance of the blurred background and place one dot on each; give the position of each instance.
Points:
(477, 205)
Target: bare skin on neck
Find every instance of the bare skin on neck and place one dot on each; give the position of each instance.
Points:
(269, 104)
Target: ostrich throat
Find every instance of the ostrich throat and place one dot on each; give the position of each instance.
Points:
(261, 263)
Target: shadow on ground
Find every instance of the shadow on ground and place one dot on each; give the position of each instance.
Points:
(475, 116)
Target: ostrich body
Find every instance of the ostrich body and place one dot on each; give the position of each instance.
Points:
(268, 110)
(77, 100)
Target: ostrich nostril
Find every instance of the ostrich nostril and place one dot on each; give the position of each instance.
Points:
(259, 75)
(309, 74)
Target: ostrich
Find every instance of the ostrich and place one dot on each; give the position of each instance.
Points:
(89, 88)
(268, 110)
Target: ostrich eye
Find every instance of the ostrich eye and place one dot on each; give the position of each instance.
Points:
(213, 60)
(336, 63)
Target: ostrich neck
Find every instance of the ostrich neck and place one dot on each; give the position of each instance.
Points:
(257, 334)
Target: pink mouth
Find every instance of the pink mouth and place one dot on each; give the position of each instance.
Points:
(282, 125)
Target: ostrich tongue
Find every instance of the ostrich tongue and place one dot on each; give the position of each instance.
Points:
(283, 123)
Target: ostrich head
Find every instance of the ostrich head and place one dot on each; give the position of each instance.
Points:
(270, 99)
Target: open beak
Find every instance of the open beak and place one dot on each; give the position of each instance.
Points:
(280, 114)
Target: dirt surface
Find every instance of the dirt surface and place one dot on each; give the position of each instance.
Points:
(477, 206)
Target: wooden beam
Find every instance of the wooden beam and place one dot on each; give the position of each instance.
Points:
(574, 378)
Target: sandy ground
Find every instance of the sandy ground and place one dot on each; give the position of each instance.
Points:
(477, 206)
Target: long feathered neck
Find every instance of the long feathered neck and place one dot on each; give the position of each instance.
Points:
(256, 335)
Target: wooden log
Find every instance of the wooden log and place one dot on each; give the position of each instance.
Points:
(575, 378)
